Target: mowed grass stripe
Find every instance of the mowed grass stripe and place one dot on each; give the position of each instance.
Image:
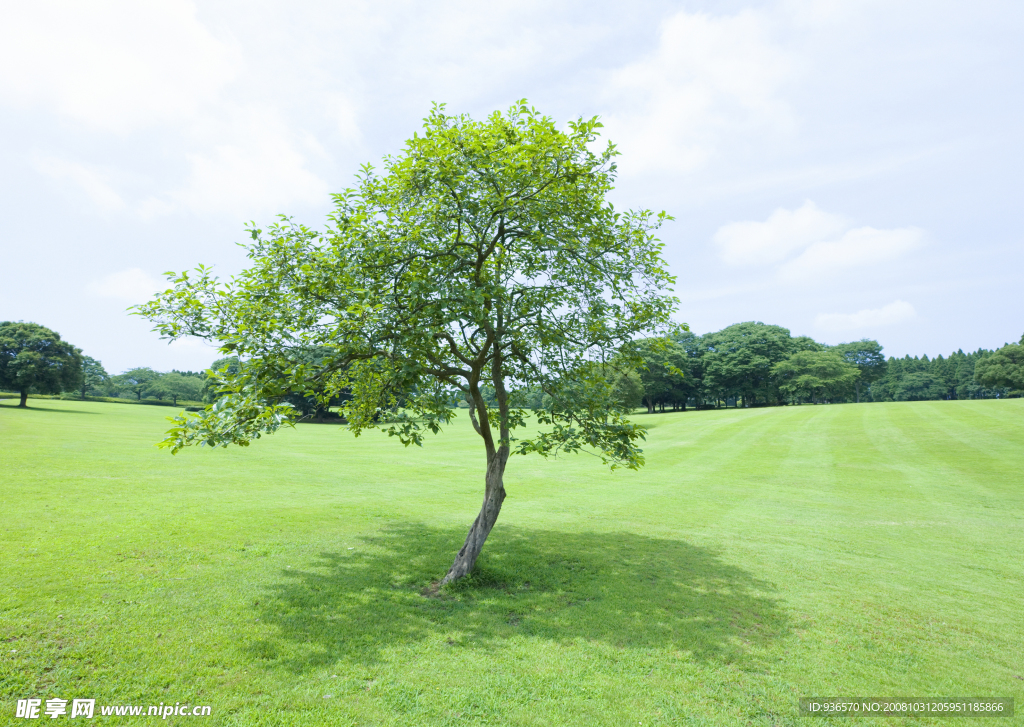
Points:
(760, 556)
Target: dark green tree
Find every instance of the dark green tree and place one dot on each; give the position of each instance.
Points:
(486, 253)
(806, 343)
(94, 376)
(966, 386)
(175, 385)
(1003, 369)
(694, 348)
(883, 388)
(629, 390)
(919, 386)
(662, 374)
(740, 358)
(137, 381)
(944, 369)
(817, 376)
(866, 355)
(34, 358)
(314, 404)
(227, 366)
(671, 373)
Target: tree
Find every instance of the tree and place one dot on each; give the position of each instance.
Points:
(35, 358)
(137, 381)
(1003, 368)
(93, 375)
(314, 405)
(919, 386)
(671, 371)
(805, 343)
(740, 358)
(815, 376)
(629, 389)
(661, 375)
(918, 379)
(866, 355)
(486, 253)
(229, 365)
(944, 369)
(884, 388)
(693, 348)
(176, 386)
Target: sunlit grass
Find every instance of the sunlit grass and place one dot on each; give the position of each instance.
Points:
(762, 555)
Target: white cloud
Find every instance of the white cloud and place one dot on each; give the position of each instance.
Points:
(261, 170)
(827, 13)
(782, 234)
(473, 54)
(859, 247)
(899, 311)
(131, 286)
(89, 180)
(120, 67)
(822, 242)
(346, 116)
(113, 64)
(709, 77)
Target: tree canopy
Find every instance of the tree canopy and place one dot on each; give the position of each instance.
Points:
(740, 358)
(34, 358)
(1004, 368)
(671, 372)
(919, 386)
(753, 364)
(951, 377)
(866, 355)
(486, 253)
(94, 376)
(815, 376)
(137, 381)
(175, 385)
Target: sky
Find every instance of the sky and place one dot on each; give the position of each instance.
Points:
(844, 169)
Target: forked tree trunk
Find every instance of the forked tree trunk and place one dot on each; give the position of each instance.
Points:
(494, 495)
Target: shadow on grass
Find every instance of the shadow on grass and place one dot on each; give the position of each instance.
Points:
(15, 407)
(622, 590)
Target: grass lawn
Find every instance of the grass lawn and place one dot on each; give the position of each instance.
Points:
(872, 550)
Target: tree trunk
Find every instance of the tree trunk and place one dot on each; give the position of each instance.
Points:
(494, 495)
(858, 391)
(24, 399)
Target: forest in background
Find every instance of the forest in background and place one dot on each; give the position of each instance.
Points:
(754, 364)
(749, 364)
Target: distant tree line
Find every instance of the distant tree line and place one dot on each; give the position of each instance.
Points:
(748, 364)
(143, 383)
(753, 364)
(35, 360)
(982, 374)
